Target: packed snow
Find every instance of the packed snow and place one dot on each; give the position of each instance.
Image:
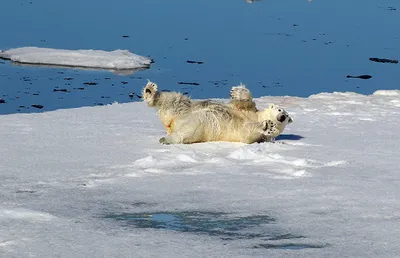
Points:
(95, 182)
(117, 59)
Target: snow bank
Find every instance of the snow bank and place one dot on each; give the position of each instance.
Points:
(117, 59)
(328, 187)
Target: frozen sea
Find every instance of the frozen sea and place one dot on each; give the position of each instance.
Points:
(95, 182)
(82, 173)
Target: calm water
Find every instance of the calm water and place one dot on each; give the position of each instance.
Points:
(293, 47)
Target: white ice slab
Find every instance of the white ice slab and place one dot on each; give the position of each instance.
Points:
(117, 59)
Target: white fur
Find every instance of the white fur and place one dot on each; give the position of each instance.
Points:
(241, 99)
(188, 121)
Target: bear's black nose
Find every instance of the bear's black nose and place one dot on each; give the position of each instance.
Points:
(281, 118)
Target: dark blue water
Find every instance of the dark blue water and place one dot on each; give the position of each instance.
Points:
(276, 47)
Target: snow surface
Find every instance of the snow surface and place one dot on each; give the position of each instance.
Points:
(117, 59)
(73, 181)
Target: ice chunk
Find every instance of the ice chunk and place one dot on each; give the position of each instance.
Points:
(117, 59)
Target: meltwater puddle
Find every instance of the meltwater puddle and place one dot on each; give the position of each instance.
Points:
(211, 223)
(222, 225)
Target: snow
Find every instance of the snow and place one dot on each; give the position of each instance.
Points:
(117, 59)
(95, 182)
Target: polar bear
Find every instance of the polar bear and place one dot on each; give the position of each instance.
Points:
(188, 121)
(241, 99)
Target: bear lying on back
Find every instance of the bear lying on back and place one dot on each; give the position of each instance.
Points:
(188, 121)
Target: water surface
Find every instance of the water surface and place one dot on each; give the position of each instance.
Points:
(293, 47)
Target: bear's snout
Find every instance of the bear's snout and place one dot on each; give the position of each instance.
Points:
(281, 118)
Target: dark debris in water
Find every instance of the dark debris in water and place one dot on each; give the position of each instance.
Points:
(90, 83)
(364, 76)
(220, 82)
(194, 62)
(284, 34)
(37, 106)
(2, 101)
(384, 60)
(61, 90)
(189, 83)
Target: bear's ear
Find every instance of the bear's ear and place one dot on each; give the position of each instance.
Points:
(271, 106)
(290, 120)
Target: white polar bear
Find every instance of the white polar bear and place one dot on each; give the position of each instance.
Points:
(188, 121)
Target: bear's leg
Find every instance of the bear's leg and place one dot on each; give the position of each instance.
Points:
(240, 93)
(171, 139)
(241, 99)
(189, 131)
(260, 132)
(177, 138)
(149, 93)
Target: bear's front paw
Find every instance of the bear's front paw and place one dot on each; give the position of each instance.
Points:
(149, 90)
(268, 125)
(164, 140)
(270, 130)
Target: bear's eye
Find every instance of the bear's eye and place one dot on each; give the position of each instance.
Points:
(279, 110)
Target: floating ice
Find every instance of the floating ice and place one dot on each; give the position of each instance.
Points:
(387, 92)
(117, 59)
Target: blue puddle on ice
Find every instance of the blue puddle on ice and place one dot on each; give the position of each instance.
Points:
(217, 224)
(212, 223)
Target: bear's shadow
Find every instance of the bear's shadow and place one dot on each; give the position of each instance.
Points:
(293, 137)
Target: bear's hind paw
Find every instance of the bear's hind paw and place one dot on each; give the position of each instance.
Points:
(240, 93)
(164, 140)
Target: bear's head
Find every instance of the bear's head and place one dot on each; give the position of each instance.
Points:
(276, 114)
